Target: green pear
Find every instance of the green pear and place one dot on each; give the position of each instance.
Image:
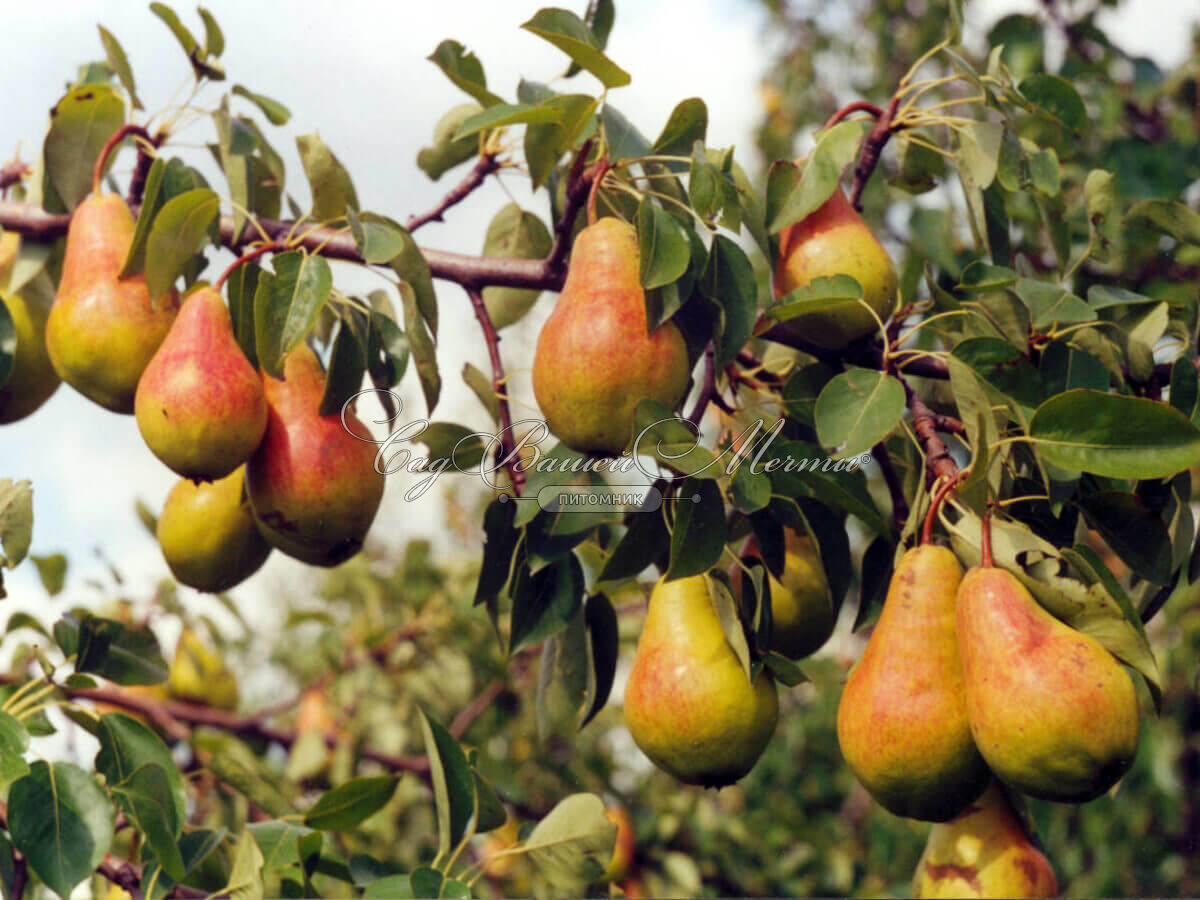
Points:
(594, 361)
(688, 703)
(834, 240)
(902, 719)
(208, 535)
(200, 404)
(984, 852)
(802, 614)
(103, 330)
(197, 674)
(32, 380)
(1053, 713)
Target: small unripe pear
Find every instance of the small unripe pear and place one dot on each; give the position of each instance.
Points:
(834, 240)
(594, 361)
(197, 674)
(32, 379)
(802, 615)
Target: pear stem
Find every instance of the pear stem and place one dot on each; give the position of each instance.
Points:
(102, 158)
(258, 251)
(986, 560)
(935, 504)
(602, 168)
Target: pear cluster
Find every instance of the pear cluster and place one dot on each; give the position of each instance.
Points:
(260, 467)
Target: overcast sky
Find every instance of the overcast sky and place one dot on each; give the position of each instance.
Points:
(356, 72)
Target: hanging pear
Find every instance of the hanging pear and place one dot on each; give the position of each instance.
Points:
(312, 483)
(1053, 713)
(902, 719)
(802, 613)
(200, 404)
(197, 674)
(688, 703)
(103, 330)
(594, 361)
(984, 852)
(208, 535)
(834, 240)
(32, 380)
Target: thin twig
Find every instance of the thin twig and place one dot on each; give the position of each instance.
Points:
(499, 388)
(938, 461)
(137, 183)
(708, 387)
(483, 167)
(872, 148)
(851, 108)
(12, 173)
(894, 485)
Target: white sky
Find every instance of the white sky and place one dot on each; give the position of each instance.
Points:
(356, 71)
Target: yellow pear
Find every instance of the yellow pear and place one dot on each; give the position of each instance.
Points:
(688, 704)
(208, 534)
(802, 615)
(198, 675)
(983, 853)
(32, 380)
(902, 719)
(1053, 713)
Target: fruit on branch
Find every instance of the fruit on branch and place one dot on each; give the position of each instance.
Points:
(208, 534)
(594, 361)
(200, 404)
(902, 719)
(313, 713)
(623, 849)
(197, 674)
(983, 853)
(834, 240)
(689, 704)
(32, 379)
(1053, 712)
(312, 482)
(802, 613)
(102, 329)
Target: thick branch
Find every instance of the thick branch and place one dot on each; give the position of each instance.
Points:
(508, 454)
(12, 173)
(708, 387)
(938, 461)
(894, 485)
(483, 167)
(872, 148)
(137, 184)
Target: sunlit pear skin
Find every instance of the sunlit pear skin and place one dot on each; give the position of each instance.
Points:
(1053, 713)
(103, 331)
(834, 240)
(313, 485)
(208, 534)
(32, 380)
(983, 853)
(688, 703)
(198, 675)
(200, 404)
(594, 362)
(624, 847)
(802, 615)
(902, 718)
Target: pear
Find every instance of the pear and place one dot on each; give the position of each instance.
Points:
(102, 330)
(197, 674)
(688, 703)
(624, 847)
(200, 404)
(983, 853)
(1053, 713)
(32, 380)
(594, 361)
(834, 240)
(802, 614)
(902, 719)
(312, 482)
(208, 535)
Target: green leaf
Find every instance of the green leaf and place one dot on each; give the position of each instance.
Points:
(1004, 367)
(145, 795)
(544, 602)
(698, 536)
(464, 70)
(178, 231)
(573, 843)
(171, 19)
(119, 653)
(856, 410)
(80, 125)
(1115, 436)
(8, 342)
(1057, 98)
(14, 741)
(603, 645)
(16, 521)
(835, 150)
(644, 541)
(1050, 304)
(546, 143)
(390, 887)
(347, 365)
(409, 263)
(1137, 534)
(333, 191)
(387, 351)
(572, 36)
(344, 807)
(276, 112)
(513, 233)
(504, 114)
(978, 151)
(240, 288)
(729, 281)
(687, 124)
(453, 783)
(114, 53)
(802, 389)
(663, 245)
(126, 745)
(799, 469)
(818, 295)
(421, 346)
(1168, 216)
(245, 876)
(153, 198)
(286, 306)
(237, 766)
(62, 820)
(1106, 296)
(445, 152)
(214, 39)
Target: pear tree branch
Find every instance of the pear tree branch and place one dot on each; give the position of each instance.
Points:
(484, 166)
(508, 454)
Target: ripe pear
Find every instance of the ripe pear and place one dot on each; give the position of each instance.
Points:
(802, 614)
(902, 719)
(1053, 713)
(197, 674)
(983, 853)
(624, 846)
(200, 404)
(834, 240)
(313, 484)
(103, 330)
(32, 379)
(688, 704)
(594, 361)
(208, 535)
